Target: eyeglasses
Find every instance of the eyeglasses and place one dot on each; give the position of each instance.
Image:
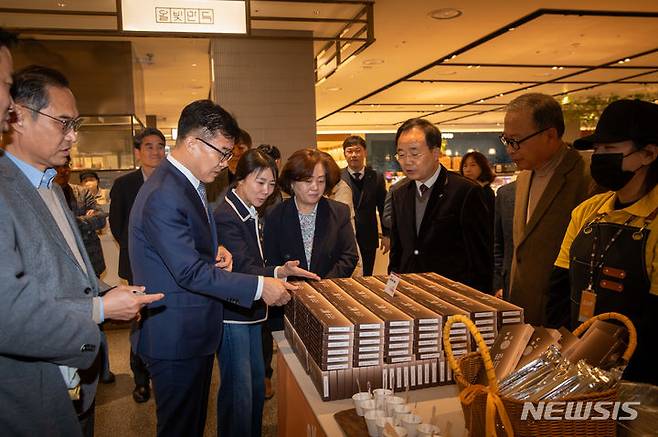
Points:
(223, 156)
(412, 156)
(516, 144)
(71, 124)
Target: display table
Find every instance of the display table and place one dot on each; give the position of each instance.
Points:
(301, 412)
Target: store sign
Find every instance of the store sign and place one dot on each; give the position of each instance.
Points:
(202, 16)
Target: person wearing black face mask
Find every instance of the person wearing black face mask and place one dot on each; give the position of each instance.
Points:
(609, 257)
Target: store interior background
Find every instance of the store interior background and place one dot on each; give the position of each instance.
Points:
(310, 73)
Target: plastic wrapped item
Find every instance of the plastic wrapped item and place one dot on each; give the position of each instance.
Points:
(553, 377)
(646, 423)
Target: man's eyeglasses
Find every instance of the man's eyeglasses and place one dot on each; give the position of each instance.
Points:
(516, 144)
(412, 156)
(71, 124)
(223, 156)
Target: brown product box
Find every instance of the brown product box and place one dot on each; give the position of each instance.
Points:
(396, 322)
(483, 316)
(459, 335)
(567, 340)
(602, 345)
(368, 328)
(508, 313)
(507, 350)
(539, 342)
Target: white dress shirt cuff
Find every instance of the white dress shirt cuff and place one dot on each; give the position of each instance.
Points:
(259, 289)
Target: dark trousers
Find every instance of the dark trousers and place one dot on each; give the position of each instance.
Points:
(181, 390)
(86, 420)
(368, 259)
(268, 350)
(140, 371)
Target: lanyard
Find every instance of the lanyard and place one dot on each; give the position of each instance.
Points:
(637, 235)
(592, 260)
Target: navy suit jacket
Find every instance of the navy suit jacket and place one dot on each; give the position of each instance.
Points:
(237, 232)
(173, 245)
(122, 197)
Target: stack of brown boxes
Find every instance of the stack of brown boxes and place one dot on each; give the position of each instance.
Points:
(368, 328)
(349, 330)
(506, 312)
(398, 326)
(483, 316)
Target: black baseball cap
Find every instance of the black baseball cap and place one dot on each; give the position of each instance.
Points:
(624, 120)
(84, 174)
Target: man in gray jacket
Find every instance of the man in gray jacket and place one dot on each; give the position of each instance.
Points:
(49, 295)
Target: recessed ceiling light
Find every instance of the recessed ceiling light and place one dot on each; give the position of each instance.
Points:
(445, 13)
(193, 65)
(373, 61)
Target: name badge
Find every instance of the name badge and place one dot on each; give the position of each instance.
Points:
(587, 305)
(392, 284)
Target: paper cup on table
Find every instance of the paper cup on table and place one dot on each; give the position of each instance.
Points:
(381, 423)
(391, 402)
(371, 421)
(358, 399)
(410, 422)
(426, 430)
(367, 405)
(380, 397)
(400, 431)
(399, 411)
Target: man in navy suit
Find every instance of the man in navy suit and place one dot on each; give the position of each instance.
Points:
(173, 248)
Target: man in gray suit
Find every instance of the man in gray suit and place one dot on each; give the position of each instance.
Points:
(49, 295)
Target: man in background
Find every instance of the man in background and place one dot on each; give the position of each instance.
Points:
(553, 181)
(149, 147)
(368, 195)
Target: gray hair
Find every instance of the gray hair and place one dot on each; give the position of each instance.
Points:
(545, 110)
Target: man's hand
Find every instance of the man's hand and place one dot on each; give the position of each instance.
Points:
(275, 291)
(123, 302)
(291, 268)
(385, 245)
(224, 259)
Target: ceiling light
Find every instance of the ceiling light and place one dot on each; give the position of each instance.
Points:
(512, 29)
(445, 13)
(453, 56)
(470, 66)
(554, 68)
(565, 99)
(627, 60)
(193, 65)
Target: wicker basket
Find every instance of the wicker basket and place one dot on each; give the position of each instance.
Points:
(488, 414)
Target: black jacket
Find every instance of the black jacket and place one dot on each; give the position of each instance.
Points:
(455, 233)
(236, 231)
(122, 196)
(367, 202)
(334, 247)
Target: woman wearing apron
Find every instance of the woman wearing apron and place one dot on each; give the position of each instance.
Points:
(609, 257)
